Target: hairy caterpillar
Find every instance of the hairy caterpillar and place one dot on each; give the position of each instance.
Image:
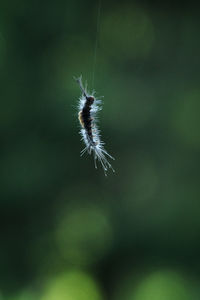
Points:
(88, 108)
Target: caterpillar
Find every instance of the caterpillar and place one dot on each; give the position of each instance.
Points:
(88, 109)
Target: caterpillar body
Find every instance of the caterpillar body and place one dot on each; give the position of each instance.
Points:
(88, 108)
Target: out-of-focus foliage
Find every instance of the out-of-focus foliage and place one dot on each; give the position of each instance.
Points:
(67, 232)
(73, 285)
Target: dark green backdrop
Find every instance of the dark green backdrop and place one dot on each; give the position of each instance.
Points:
(68, 232)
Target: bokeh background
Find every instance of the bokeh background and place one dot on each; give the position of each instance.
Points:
(67, 231)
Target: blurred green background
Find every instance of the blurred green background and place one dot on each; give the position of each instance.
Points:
(67, 231)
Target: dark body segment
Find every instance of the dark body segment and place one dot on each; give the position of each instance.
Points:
(85, 117)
